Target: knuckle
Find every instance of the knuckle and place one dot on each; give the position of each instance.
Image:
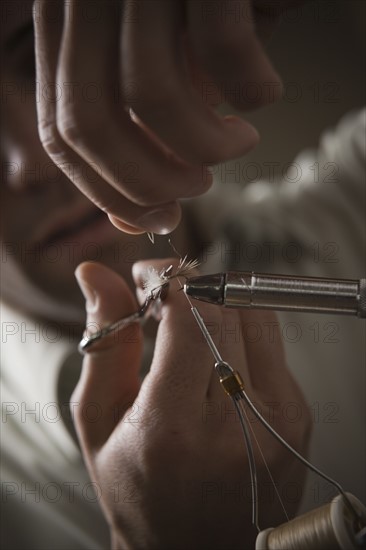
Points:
(50, 138)
(77, 122)
(73, 128)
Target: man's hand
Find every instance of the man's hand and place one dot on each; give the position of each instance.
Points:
(125, 96)
(168, 456)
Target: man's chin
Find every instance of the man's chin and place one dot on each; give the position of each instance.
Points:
(31, 296)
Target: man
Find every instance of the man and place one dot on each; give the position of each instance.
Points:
(162, 480)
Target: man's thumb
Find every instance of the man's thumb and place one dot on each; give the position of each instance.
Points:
(109, 382)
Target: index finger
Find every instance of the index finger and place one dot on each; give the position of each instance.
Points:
(182, 370)
(124, 171)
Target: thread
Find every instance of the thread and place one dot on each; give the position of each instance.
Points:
(330, 527)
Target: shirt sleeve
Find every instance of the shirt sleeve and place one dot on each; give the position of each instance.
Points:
(314, 221)
(310, 223)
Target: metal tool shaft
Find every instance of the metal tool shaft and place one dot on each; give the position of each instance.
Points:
(280, 292)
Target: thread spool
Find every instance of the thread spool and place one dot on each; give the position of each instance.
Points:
(330, 527)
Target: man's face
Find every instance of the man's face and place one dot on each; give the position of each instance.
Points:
(48, 226)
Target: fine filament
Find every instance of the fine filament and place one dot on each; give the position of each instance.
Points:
(242, 395)
(264, 461)
(183, 268)
(306, 463)
(243, 419)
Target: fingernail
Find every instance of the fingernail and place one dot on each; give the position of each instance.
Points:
(89, 293)
(158, 221)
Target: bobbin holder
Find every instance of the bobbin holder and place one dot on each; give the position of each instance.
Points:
(280, 292)
(343, 528)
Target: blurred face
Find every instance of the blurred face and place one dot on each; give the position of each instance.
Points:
(48, 226)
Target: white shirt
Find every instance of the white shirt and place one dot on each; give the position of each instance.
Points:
(48, 500)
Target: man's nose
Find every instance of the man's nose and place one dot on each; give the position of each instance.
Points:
(25, 164)
(28, 167)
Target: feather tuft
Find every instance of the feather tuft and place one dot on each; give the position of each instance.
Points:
(153, 279)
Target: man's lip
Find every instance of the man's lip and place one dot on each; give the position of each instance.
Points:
(65, 224)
